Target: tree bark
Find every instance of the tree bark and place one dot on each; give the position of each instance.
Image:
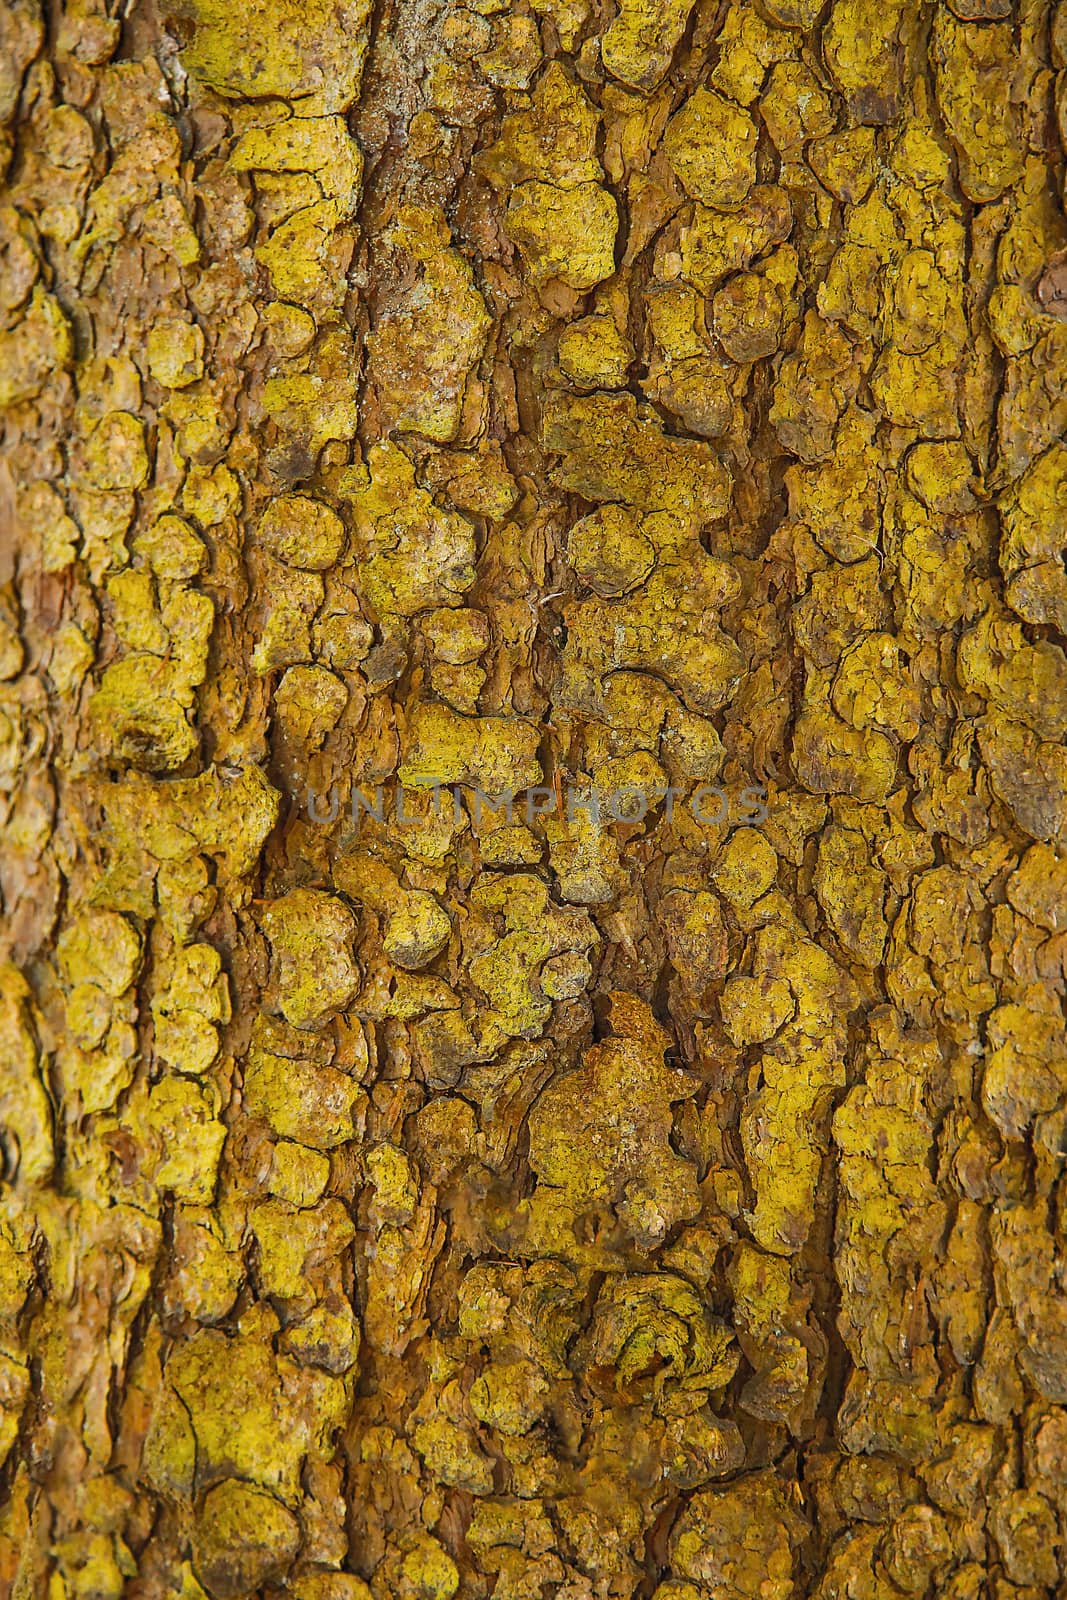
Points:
(534, 795)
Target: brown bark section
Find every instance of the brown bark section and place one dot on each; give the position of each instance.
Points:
(570, 401)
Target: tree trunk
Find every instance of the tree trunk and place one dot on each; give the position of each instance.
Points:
(532, 756)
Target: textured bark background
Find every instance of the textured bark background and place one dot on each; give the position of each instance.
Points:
(540, 392)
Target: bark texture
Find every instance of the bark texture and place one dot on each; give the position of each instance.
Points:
(534, 394)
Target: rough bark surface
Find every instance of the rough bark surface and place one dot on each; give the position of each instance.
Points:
(540, 394)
